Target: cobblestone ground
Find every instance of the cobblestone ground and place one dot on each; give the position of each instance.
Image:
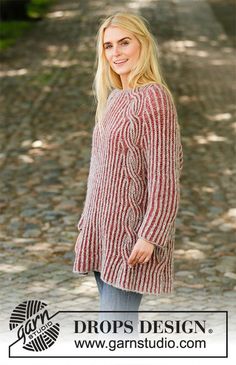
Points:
(48, 112)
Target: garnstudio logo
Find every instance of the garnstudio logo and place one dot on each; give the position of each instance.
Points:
(34, 325)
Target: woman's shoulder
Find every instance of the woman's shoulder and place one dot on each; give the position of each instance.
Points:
(157, 96)
(143, 97)
(154, 89)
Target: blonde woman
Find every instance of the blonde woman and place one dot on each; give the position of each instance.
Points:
(127, 228)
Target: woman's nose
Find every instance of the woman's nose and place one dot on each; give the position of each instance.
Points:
(116, 51)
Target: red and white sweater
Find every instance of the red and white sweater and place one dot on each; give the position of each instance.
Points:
(133, 191)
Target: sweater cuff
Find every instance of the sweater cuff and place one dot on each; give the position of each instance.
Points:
(159, 237)
(154, 243)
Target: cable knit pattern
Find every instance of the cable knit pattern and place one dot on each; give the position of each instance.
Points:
(133, 191)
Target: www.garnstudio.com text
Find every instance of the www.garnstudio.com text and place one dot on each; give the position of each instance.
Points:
(146, 343)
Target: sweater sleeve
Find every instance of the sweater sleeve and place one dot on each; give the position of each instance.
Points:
(162, 148)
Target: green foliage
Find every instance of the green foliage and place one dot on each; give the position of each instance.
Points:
(37, 8)
(10, 31)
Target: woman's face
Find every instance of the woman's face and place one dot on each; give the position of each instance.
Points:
(122, 51)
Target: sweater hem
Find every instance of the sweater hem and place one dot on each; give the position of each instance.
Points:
(115, 285)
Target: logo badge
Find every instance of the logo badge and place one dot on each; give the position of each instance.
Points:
(34, 325)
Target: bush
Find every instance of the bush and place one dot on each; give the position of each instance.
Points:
(17, 16)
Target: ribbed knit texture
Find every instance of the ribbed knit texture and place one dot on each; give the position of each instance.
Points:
(133, 191)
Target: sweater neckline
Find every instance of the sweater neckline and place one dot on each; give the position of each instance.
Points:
(137, 88)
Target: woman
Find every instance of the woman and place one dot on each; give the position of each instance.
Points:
(127, 228)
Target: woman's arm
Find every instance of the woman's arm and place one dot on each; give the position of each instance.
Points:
(162, 146)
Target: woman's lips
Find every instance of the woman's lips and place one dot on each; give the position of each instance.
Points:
(120, 63)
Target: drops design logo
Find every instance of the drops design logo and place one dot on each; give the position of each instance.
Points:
(34, 325)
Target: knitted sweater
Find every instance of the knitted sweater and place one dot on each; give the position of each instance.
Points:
(133, 191)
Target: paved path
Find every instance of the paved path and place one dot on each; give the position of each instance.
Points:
(48, 114)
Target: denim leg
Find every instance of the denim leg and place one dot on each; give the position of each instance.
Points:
(98, 281)
(115, 299)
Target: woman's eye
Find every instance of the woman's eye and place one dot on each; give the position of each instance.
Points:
(123, 43)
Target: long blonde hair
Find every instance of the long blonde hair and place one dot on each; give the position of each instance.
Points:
(147, 69)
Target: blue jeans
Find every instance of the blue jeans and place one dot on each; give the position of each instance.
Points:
(115, 299)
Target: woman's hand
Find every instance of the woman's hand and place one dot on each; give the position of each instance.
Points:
(141, 253)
